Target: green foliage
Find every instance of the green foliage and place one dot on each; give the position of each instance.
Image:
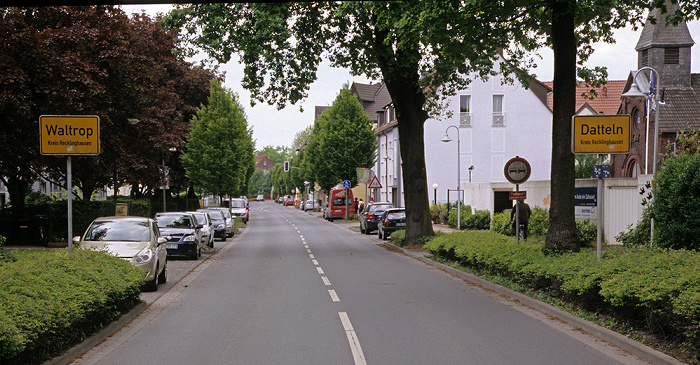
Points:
(640, 234)
(465, 213)
(36, 197)
(481, 219)
(500, 223)
(50, 299)
(587, 232)
(657, 289)
(437, 212)
(539, 221)
(676, 201)
(219, 157)
(398, 237)
(4, 255)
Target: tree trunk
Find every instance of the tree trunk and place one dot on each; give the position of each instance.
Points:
(561, 235)
(17, 188)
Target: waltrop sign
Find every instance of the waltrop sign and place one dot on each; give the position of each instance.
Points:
(600, 134)
(69, 134)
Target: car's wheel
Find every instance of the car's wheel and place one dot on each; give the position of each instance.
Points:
(362, 228)
(379, 233)
(384, 236)
(151, 285)
(163, 276)
(367, 231)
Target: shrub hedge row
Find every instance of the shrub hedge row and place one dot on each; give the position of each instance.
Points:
(51, 299)
(654, 289)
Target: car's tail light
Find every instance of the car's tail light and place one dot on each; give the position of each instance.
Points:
(386, 224)
(371, 216)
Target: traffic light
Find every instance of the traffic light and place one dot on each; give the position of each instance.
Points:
(286, 166)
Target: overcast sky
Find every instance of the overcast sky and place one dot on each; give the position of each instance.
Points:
(272, 127)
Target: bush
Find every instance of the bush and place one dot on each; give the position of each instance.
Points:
(465, 213)
(437, 211)
(481, 219)
(50, 300)
(587, 232)
(539, 221)
(676, 200)
(500, 223)
(657, 290)
(639, 235)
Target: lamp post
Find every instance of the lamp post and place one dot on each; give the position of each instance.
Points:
(165, 178)
(435, 186)
(459, 177)
(634, 93)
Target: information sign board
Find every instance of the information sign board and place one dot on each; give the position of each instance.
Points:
(69, 134)
(600, 134)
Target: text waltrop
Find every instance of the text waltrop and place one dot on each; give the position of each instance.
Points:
(54, 130)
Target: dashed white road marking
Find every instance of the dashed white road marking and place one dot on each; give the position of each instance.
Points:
(315, 262)
(325, 281)
(334, 295)
(354, 342)
(320, 270)
(311, 256)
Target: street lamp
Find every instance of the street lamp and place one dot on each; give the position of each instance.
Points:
(651, 94)
(459, 177)
(435, 186)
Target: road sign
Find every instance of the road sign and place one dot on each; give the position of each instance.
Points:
(600, 134)
(517, 195)
(517, 170)
(600, 171)
(363, 175)
(69, 134)
(346, 184)
(375, 184)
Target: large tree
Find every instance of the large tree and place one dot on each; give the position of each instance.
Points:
(417, 48)
(92, 60)
(219, 155)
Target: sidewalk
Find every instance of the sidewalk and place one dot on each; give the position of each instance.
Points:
(342, 223)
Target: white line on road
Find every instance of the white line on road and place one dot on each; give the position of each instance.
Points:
(315, 262)
(325, 280)
(334, 295)
(311, 256)
(354, 342)
(308, 250)
(320, 270)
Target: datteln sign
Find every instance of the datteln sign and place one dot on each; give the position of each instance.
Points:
(69, 134)
(601, 134)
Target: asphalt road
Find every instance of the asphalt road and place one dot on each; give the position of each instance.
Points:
(295, 289)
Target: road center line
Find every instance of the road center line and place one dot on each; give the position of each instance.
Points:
(354, 342)
(320, 270)
(311, 256)
(325, 281)
(334, 295)
(315, 262)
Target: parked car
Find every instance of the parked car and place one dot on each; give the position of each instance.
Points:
(239, 208)
(183, 232)
(336, 207)
(218, 222)
(204, 219)
(288, 200)
(228, 219)
(260, 198)
(310, 205)
(370, 216)
(136, 239)
(391, 220)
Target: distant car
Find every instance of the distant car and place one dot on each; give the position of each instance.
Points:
(391, 220)
(239, 208)
(370, 215)
(183, 232)
(310, 205)
(218, 222)
(228, 219)
(288, 200)
(204, 219)
(260, 198)
(135, 239)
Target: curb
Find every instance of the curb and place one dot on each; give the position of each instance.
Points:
(633, 347)
(74, 352)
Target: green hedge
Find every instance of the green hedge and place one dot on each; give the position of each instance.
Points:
(50, 299)
(656, 289)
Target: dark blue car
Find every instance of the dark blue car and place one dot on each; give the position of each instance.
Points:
(183, 233)
(219, 222)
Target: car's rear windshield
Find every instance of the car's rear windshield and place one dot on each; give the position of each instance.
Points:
(237, 204)
(379, 208)
(215, 214)
(174, 221)
(201, 218)
(130, 231)
(396, 215)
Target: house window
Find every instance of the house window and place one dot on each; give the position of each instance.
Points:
(671, 55)
(498, 118)
(636, 119)
(465, 115)
(645, 57)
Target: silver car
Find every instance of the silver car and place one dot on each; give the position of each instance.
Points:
(136, 239)
(207, 230)
(229, 219)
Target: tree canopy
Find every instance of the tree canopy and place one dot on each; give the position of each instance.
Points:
(92, 60)
(219, 157)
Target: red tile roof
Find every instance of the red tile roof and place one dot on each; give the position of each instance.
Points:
(607, 102)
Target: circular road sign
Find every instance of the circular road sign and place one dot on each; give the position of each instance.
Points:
(517, 170)
(346, 184)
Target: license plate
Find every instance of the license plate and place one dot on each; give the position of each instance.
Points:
(401, 224)
(171, 245)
